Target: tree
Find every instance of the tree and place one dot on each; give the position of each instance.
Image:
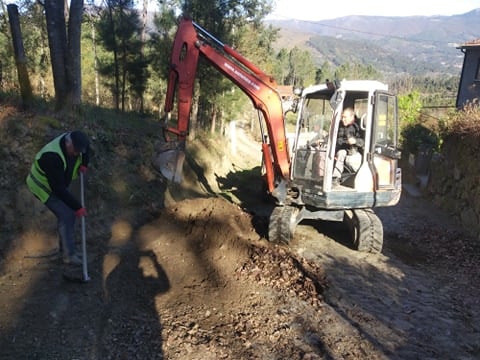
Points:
(409, 107)
(159, 47)
(281, 66)
(301, 68)
(65, 51)
(357, 71)
(5, 47)
(119, 31)
(74, 71)
(23, 79)
(324, 73)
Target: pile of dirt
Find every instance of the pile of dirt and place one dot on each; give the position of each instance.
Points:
(195, 283)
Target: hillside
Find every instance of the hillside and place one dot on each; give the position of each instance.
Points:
(414, 44)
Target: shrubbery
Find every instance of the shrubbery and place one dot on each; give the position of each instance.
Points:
(466, 121)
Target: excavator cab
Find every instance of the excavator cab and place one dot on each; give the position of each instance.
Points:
(371, 176)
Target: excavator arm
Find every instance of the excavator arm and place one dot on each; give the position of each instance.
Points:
(190, 41)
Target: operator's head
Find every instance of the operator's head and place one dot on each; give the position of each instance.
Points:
(348, 116)
(76, 142)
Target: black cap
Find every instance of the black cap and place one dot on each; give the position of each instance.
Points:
(80, 141)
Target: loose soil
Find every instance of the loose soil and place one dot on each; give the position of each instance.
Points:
(185, 272)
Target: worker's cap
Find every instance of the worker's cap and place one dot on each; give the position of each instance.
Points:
(80, 141)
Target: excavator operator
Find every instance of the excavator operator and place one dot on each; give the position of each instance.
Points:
(348, 141)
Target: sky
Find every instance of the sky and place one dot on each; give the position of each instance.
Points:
(315, 10)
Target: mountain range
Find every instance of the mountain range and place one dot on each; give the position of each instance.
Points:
(415, 45)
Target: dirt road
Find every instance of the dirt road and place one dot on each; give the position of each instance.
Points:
(408, 303)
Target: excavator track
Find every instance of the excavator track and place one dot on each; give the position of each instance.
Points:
(283, 221)
(367, 231)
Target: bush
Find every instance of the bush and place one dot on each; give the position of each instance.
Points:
(416, 135)
(465, 121)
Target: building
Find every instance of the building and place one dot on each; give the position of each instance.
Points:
(469, 87)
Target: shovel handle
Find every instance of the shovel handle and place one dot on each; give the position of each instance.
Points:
(84, 237)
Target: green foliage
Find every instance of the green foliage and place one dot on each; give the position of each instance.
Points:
(386, 55)
(433, 91)
(294, 67)
(324, 73)
(301, 68)
(255, 42)
(280, 70)
(237, 24)
(50, 121)
(6, 54)
(415, 136)
(413, 133)
(119, 33)
(409, 107)
(355, 71)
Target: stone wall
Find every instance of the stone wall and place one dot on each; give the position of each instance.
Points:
(454, 182)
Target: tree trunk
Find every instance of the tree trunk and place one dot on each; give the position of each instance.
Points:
(65, 52)
(222, 122)
(115, 58)
(143, 39)
(124, 77)
(20, 59)
(192, 129)
(74, 69)
(214, 120)
(97, 82)
(57, 40)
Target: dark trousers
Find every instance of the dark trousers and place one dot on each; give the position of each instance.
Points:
(65, 224)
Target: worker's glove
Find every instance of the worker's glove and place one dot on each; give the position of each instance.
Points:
(81, 212)
(83, 169)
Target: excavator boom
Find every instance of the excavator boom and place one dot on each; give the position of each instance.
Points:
(190, 42)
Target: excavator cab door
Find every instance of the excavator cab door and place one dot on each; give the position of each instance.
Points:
(384, 143)
(311, 136)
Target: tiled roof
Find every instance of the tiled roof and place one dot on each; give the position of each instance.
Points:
(470, 43)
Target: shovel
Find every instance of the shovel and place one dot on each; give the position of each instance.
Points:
(84, 236)
(73, 275)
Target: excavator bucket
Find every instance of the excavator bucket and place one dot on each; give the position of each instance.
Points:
(168, 159)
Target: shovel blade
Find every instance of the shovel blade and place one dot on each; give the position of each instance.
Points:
(74, 274)
(170, 164)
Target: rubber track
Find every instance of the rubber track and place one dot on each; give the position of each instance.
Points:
(369, 231)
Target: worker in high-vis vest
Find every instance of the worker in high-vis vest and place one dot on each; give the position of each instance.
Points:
(55, 166)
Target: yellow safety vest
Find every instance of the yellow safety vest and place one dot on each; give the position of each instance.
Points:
(37, 181)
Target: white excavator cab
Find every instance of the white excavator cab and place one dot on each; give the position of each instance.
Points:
(371, 176)
(370, 168)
